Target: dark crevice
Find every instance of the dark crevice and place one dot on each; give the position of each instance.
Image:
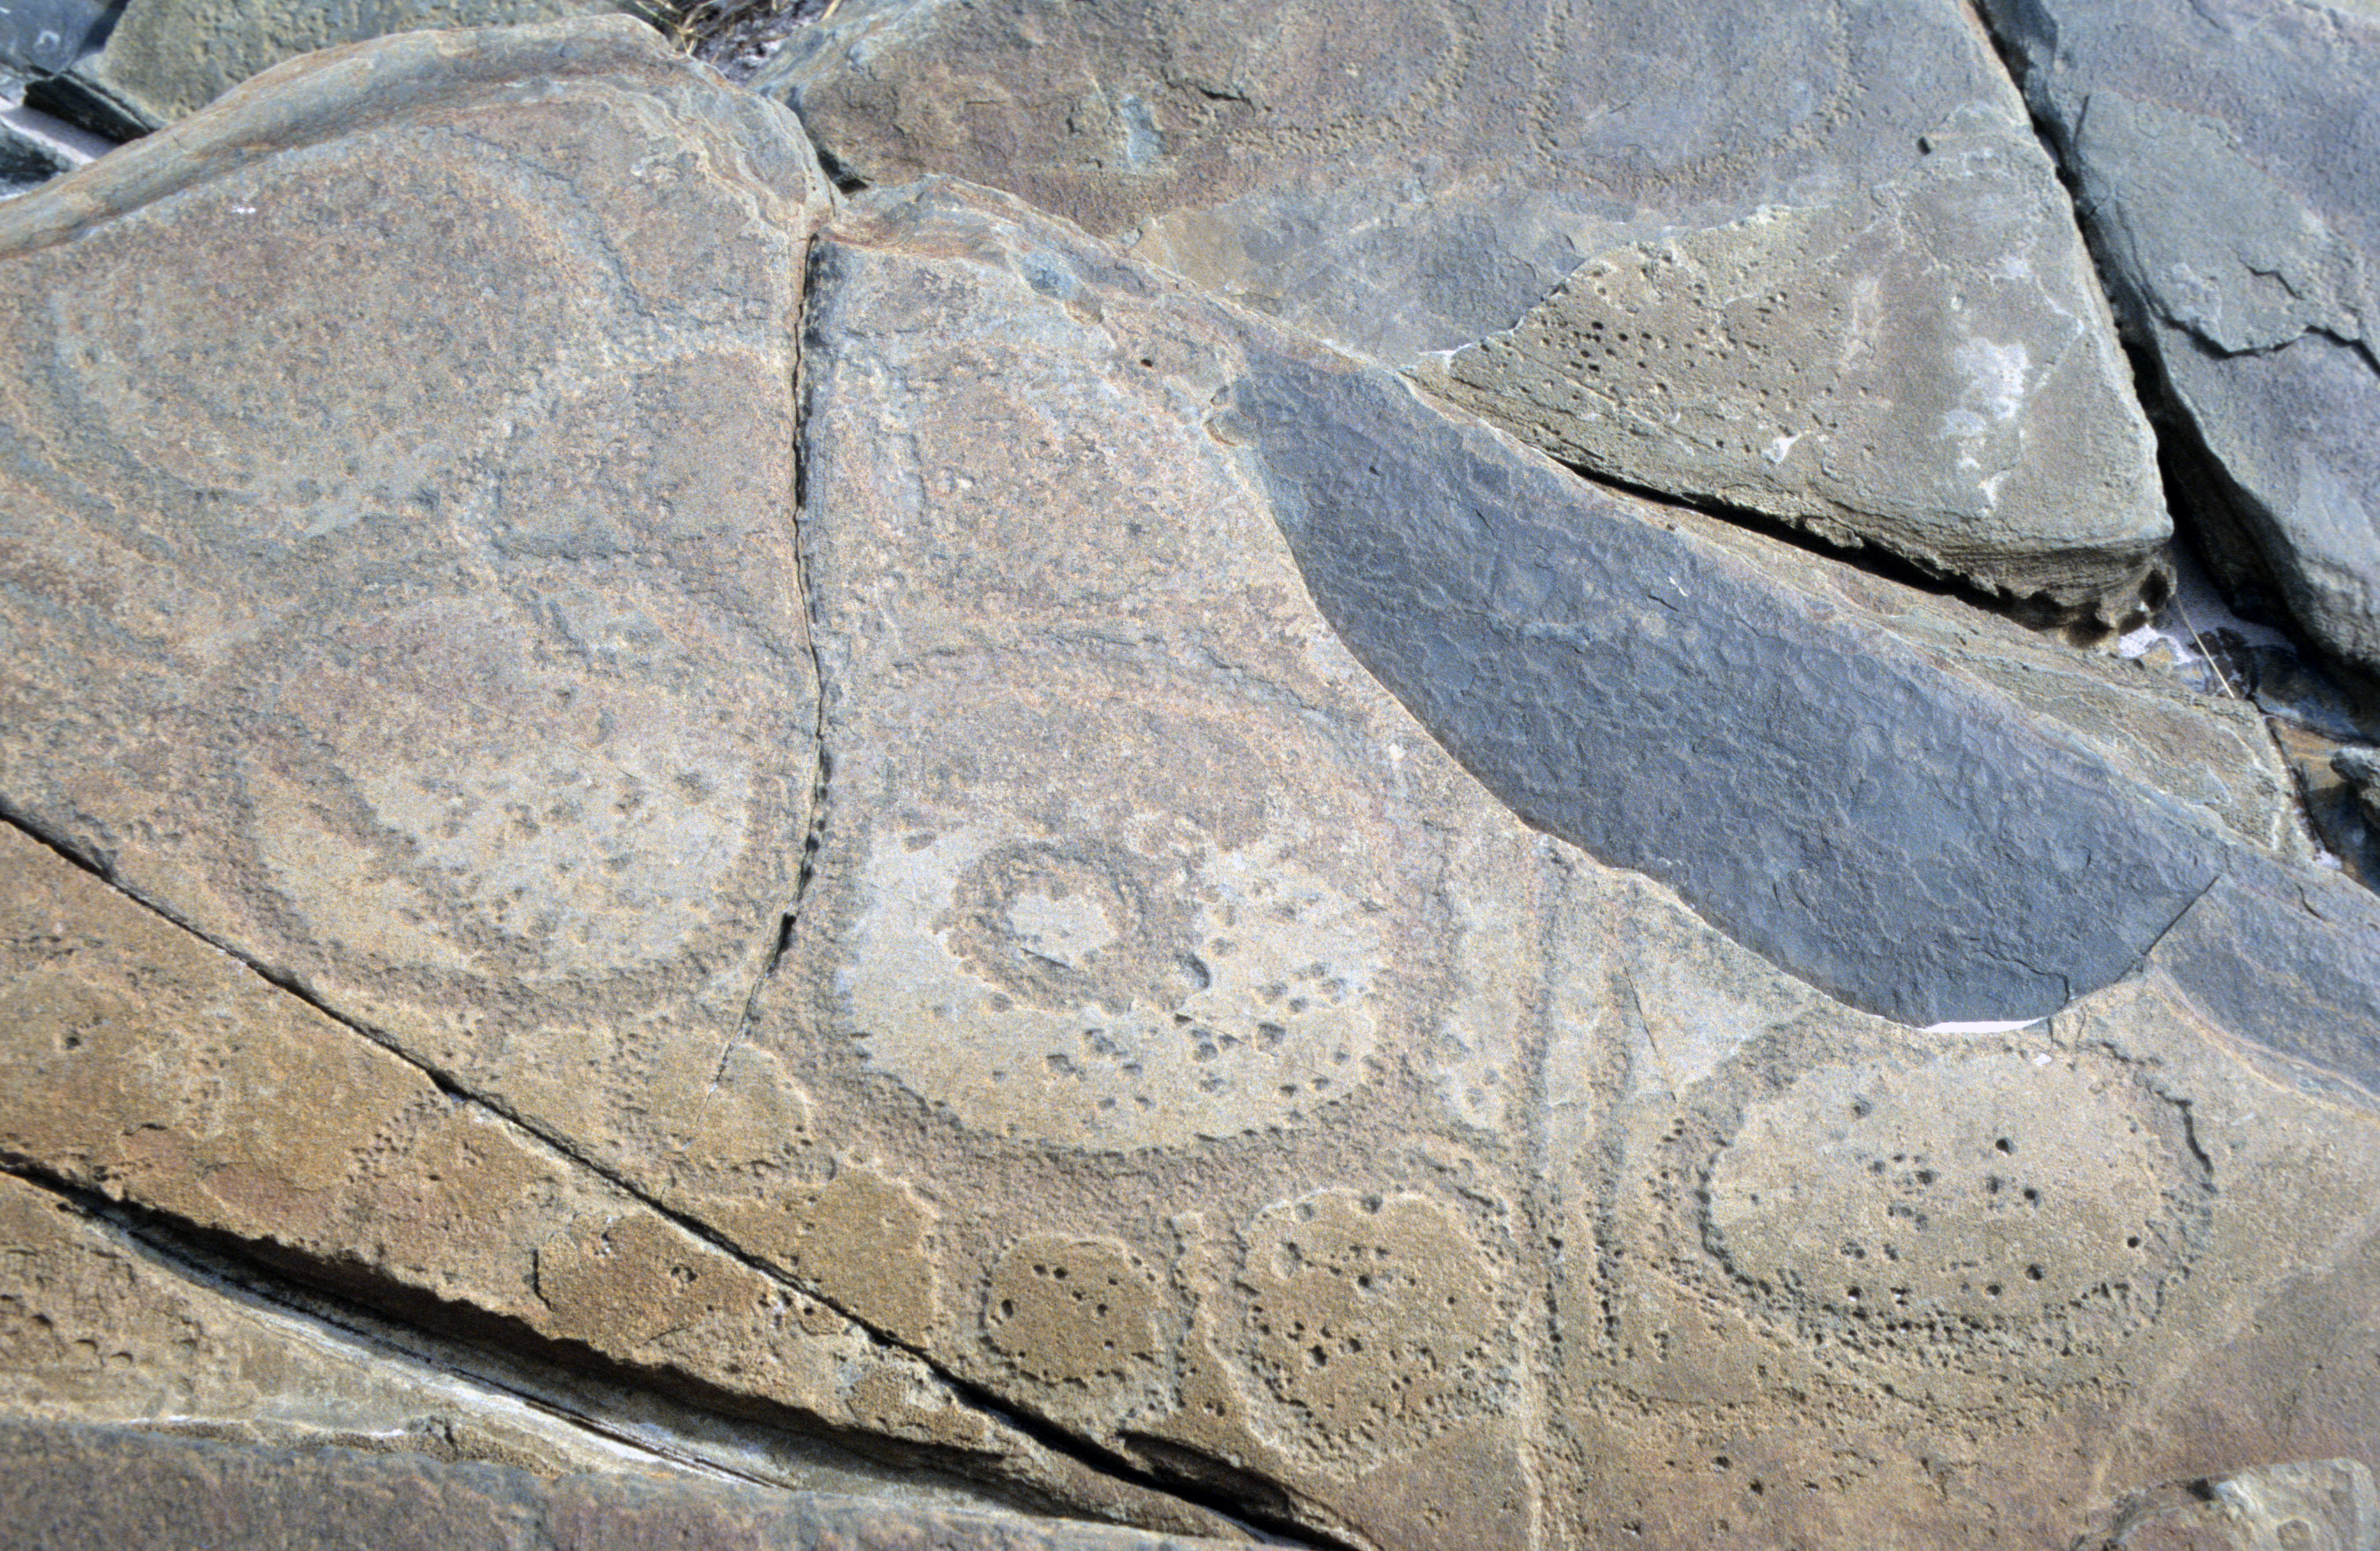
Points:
(845, 181)
(821, 763)
(2201, 514)
(2215, 526)
(2211, 514)
(425, 1310)
(461, 1340)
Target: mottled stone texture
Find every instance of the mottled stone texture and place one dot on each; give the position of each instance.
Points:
(880, 820)
(63, 1489)
(393, 479)
(402, 596)
(2224, 152)
(1260, 1069)
(1805, 259)
(152, 1070)
(163, 60)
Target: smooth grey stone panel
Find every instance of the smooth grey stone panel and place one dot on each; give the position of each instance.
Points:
(1814, 790)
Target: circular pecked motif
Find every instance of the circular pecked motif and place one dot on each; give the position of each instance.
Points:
(1119, 922)
(2001, 1190)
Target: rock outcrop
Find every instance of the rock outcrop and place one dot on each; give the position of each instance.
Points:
(1807, 261)
(661, 821)
(159, 61)
(2224, 155)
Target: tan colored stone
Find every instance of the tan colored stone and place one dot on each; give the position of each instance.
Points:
(399, 476)
(859, 1238)
(163, 1074)
(97, 1328)
(75, 1487)
(1088, 727)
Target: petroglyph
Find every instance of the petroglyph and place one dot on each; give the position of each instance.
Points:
(1372, 1325)
(1125, 977)
(2051, 1192)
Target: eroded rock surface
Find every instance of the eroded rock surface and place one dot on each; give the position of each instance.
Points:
(98, 1326)
(1093, 743)
(395, 485)
(1807, 261)
(890, 823)
(161, 60)
(71, 1488)
(2224, 154)
(2322, 1505)
(150, 1069)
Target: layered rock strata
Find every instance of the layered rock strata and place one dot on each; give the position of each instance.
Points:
(73, 1487)
(2224, 154)
(1810, 262)
(881, 818)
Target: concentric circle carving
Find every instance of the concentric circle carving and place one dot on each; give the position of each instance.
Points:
(1120, 922)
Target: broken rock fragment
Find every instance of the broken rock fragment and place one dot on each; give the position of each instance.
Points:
(1809, 261)
(2223, 153)
(159, 61)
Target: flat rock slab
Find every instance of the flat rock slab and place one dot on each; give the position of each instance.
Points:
(101, 1326)
(164, 60)
(158, 1072)
(1297, 1122)
(2225, 153)
(66, 1487)
(394, 474)
(1809, 261)
(1172, 910)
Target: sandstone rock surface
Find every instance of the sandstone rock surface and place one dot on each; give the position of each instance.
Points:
(382, 606)
(1809, 261)
(70, 1487)
(1135, 889)
(2224, 155)
(99, 1325)
(749, 816)
(149, 1068)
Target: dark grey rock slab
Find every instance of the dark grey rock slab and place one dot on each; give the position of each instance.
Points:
(1809, 260)
(1854, 815)
(40, 36)
(2290, 959)
(65, 1487)
(2227, 155)
(36, 147)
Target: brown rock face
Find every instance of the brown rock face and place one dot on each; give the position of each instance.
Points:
(749, 824)
(157, 1071)
(1088, 735)
(406, 591)
(71, 1488)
